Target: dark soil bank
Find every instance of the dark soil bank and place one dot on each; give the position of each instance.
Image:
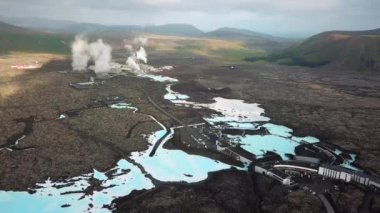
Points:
(224, 191)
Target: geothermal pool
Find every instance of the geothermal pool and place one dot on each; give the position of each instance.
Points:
(164, 165)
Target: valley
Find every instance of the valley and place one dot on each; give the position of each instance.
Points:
(114, 143)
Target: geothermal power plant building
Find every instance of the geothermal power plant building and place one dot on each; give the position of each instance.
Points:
(339, 173)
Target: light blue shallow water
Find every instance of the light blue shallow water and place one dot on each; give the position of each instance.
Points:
(171, 95)
(123, 105)
(348, 162)
(215, 119)
(279, 130)
(259, 145)
(307, 139)
(165, 165)
(159, 78)
(176, 165)
(49, 198)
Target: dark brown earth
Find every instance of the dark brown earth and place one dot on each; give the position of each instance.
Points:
(237, 195)
(96, 138)
(275, 198)
(223, 191)
(337, 106)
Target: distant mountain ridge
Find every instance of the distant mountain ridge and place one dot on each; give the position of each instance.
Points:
(113, 33)
(7, 28)
(355, 50)
(13, 38)
(62, 26)
(174, 29)
(235, 33)
(345, 32)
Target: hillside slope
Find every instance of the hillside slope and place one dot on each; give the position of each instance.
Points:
(234, 33)
(8, 28)
(71, 27)
(252, 39)
(174, 29)
(355, 50)
(14, 38)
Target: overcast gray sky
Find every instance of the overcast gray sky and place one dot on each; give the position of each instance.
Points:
(278, 17)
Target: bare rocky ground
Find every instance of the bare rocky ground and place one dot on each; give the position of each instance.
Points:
(237, 195)
(55, 149)
(339, 107)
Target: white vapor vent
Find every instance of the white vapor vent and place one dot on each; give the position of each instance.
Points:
(83, 51)
(80, 56)
(138, 56)
(101, 54)
(143, 41)
(131, 63)
(141, 55)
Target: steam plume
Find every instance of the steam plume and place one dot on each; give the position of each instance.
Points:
(141, 55)
(80, 56)
(129, 48)
(132, 63)
(98, 51)
(142, 41)
(137, 55)
(101, 54)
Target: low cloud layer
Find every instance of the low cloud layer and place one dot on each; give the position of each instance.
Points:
(272, 16)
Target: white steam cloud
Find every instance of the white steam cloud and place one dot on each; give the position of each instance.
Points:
(80, 56)
(137, 56)
(129, 48)
(141, 55)
(83, 51)
(142, 41)
(101, 54)
(131, 63)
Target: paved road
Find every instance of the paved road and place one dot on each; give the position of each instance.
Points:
(164, 111)
(158, 143)
(190, 132)
(326, 203)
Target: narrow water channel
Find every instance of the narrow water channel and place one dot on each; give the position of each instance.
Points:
(163, 165)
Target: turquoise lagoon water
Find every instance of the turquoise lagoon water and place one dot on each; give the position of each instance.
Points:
(165, 165)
